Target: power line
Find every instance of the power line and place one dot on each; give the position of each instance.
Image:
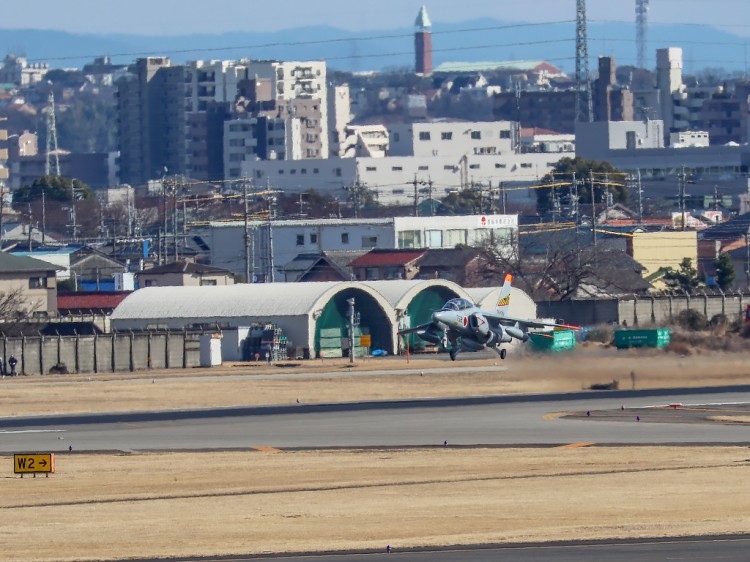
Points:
(311, 42)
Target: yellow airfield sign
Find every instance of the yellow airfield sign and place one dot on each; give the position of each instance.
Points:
(29, 463)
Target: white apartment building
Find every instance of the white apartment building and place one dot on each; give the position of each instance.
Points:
(369, 141)
(451, 138)
(392, 178)
(441, 157)
(212, 81)
(297, 79)
(639, 145)
(339, 117)
(275, 244)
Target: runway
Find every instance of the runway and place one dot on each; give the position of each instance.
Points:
(618, 417)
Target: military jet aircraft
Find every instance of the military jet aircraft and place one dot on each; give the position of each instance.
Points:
(460, 325)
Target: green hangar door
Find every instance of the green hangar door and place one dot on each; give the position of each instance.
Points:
(332, 327)
(420, 311)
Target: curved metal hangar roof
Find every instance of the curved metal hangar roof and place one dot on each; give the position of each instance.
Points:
(232, 301)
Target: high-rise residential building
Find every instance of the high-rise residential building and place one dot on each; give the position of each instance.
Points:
(299, 80)
(339, 116)
(611, 103)
(151, 120)
(211, 87)
(173, 119)
(423, 43)
(267, 128)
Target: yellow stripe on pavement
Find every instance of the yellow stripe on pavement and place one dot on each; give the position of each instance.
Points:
(575, 445)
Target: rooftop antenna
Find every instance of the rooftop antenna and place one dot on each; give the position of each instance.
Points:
(584, 103)
(641, 23)
(51, 138)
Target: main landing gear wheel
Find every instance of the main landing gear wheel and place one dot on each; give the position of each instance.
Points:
(502, 353)
(452, 353)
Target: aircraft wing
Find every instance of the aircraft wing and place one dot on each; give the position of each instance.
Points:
(416, 328)
(496, 319)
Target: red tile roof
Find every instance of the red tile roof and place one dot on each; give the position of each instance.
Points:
(379, 258)
(93, 300)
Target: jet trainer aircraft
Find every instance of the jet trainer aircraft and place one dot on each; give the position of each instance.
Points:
(466, 327)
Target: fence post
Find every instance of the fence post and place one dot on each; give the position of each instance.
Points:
(184, 348)
(23, 354)
(113, 352)
(96, 352)
(41, 353)
(132, 364)
(148, 357)
(671, 317)
(705, 305)
(653, 312)
(59, 345)
(166, 349)
(77, 351)
(635, 310)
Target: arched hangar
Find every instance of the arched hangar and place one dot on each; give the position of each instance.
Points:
(302, 310)
(414, 301)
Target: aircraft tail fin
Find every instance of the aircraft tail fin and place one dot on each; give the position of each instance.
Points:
(503, 302)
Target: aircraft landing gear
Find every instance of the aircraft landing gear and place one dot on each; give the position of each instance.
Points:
(502, 353)
(452, 353)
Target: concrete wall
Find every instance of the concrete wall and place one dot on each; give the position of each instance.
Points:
(643, 311)
(104, 353)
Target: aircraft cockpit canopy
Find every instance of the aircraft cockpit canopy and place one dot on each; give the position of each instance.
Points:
(458, 304)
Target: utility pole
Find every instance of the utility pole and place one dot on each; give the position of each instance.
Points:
(502, 196)
(593, 207)
(271, 216)
(682, 197)
(416, 197)
(429, 187)
(640, 197)
(353, 323)
(73, 214)
(248, 279)
(2, 211)
(174, 222)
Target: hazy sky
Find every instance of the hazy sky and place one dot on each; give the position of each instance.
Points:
(176, 17)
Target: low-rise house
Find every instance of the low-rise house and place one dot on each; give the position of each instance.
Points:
(184, 274)
(34, 282)
(384, 264)
(322, 266)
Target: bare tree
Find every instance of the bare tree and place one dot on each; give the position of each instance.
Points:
(557, 265)
(14, 307)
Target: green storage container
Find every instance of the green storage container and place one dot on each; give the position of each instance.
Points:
(553, 340)
(641, 338)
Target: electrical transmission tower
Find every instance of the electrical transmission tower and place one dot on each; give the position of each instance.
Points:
(51, 138)
(584, 104)
(641, 23)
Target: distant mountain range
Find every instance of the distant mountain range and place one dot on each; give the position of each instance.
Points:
(477, 40)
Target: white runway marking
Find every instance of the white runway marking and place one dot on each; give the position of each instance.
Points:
(32, 431)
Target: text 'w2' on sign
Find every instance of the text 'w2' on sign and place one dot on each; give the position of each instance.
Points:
(31, 463)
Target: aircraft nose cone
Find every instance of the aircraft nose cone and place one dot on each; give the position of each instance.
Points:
(441, 316)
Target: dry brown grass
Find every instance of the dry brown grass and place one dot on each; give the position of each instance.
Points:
(179, 504)
(213, 503)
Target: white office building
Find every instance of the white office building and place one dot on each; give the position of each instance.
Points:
(274, 244)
